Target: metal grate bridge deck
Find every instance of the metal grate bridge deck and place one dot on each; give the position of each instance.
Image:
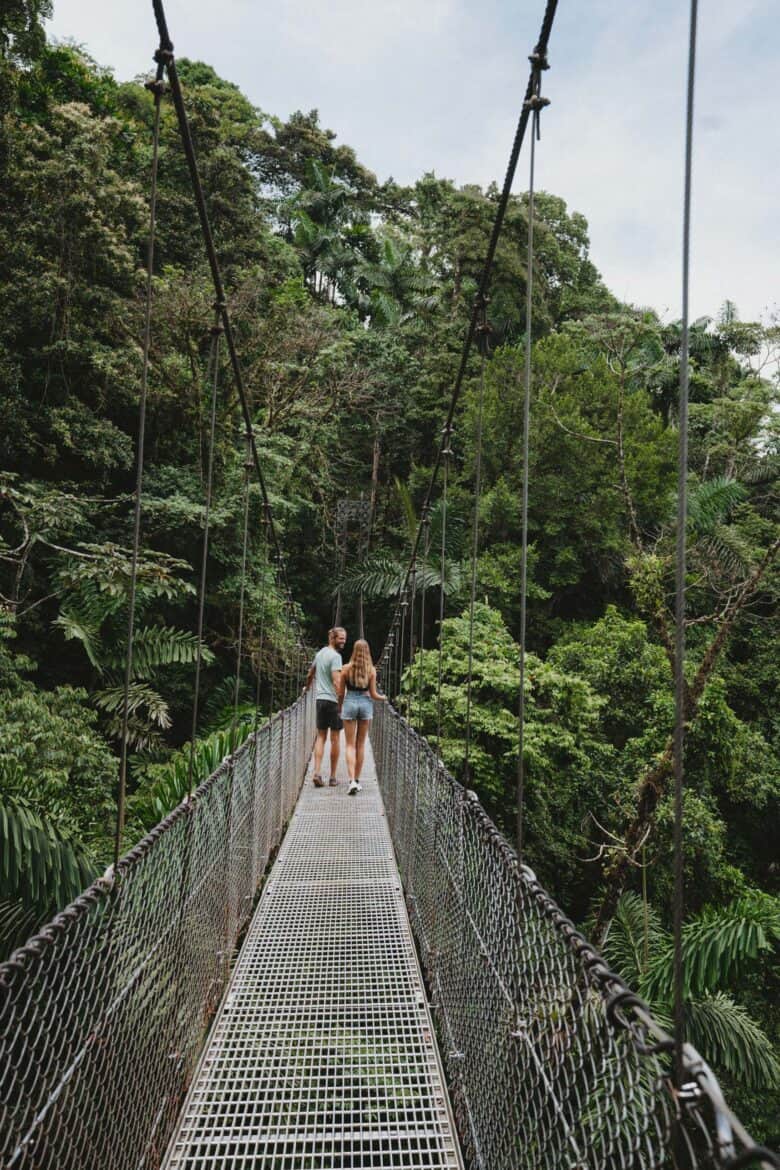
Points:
(322, 1056)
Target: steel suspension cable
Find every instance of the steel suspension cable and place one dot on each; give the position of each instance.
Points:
(165, 57)
(216, 331)
(484, 281)
(536, 103)
(680, 568)
(157, 89)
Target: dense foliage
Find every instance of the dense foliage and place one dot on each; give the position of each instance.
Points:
(350, 298)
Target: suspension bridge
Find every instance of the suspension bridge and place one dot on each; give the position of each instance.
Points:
(403, 992)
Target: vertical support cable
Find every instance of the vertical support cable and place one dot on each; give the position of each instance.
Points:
(288, 666)
(343, 531)
(241, 605)
(366, 542)
(157, 88)
(446, 454)
(405, 606)
(216, 331)
(394, 668)
(413, 584)
(260, 636)
(426, 552)
(679, 610)
(536, 104)
(482, 336)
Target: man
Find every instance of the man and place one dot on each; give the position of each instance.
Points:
(326, 670)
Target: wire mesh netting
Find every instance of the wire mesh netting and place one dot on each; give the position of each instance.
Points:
(104, 1012)
(552, 1062)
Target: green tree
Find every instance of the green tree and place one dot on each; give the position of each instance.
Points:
(720, 946)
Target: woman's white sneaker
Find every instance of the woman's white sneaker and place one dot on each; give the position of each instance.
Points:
(354, 788)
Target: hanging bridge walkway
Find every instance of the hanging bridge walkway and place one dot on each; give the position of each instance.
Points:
(323, 1052)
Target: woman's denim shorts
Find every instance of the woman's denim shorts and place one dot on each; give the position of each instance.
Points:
(357, 707)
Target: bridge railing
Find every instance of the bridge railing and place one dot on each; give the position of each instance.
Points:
(552, 1061)
(104, 1012)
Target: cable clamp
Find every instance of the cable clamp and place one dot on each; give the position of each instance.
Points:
(538, 59)
(481, 301)
(536, 102)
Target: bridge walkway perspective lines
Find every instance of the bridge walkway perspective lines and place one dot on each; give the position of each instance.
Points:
(323, 1055)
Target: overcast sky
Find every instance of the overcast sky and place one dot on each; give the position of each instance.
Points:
(416, 85)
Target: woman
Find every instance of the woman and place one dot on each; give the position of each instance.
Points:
(357, 690)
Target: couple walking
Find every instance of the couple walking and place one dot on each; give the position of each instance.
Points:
(345, 698)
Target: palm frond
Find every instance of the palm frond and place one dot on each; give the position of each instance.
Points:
(767, 470)
(710, 503)
(219, 701)
(170, 782)
(456, 532)
(728, 1037)
(727, 546)
(140, 697)
(79, 628)
(633, 935)
(40, 865)
(17, 923)
(155, 646)
(719, 942)
(380, 574)
(407, 506)
(717, 946)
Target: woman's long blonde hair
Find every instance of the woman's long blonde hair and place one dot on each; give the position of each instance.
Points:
(360, 664)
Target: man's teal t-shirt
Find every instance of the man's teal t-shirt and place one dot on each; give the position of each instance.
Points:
(326, 661)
